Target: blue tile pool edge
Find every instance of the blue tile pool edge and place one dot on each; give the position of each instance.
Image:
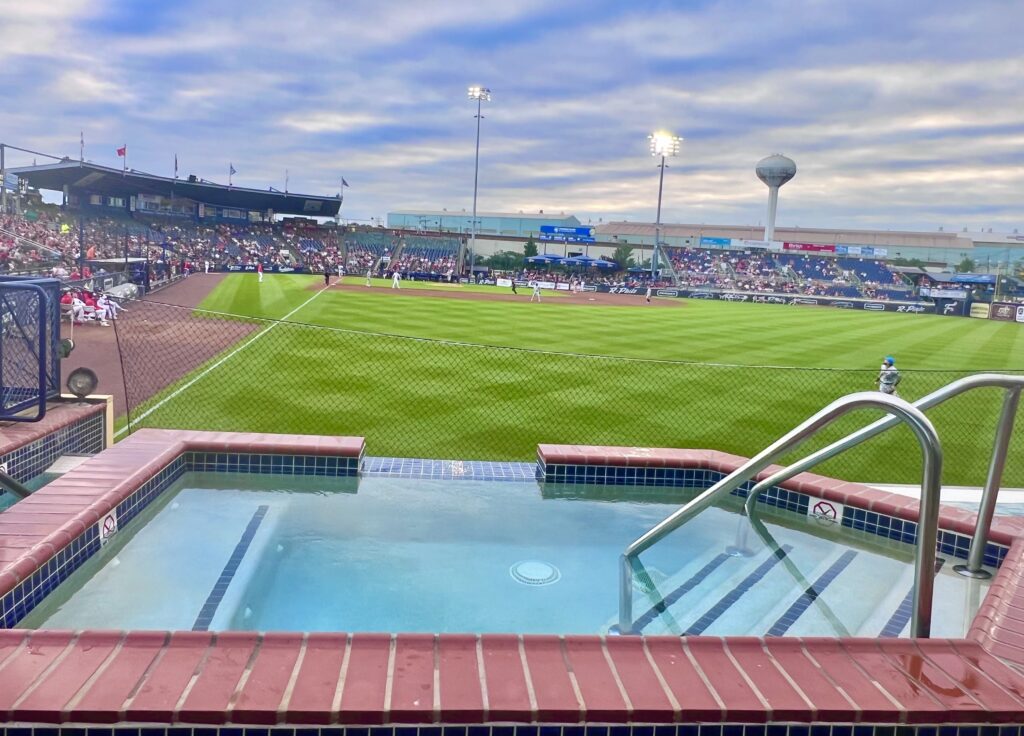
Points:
(950, 543)
(30, 592)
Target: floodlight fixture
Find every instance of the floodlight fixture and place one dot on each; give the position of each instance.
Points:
(664, 144)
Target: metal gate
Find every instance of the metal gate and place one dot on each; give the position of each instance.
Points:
(29, 340)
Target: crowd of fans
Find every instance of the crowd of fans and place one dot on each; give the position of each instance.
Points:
(177, 245)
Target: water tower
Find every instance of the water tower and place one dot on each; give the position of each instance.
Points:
(774, 171)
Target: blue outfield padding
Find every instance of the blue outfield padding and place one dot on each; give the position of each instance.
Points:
(29, 346)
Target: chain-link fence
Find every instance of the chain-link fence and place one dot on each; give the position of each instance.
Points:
(413, 397)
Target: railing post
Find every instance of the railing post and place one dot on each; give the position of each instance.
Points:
(976, 557)
(625, 595)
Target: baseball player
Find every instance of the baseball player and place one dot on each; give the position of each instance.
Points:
(888, 376)
(648, 293)
(369, 275)
(536, 290)
(341, 272)
(259, 271)
(396, 278)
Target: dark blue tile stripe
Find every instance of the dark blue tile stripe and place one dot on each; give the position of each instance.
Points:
(679, 592)
(736, 728)
(738, 592)
(795, 611)
(902, 614)
(209, 608)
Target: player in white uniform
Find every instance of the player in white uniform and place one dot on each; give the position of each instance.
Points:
(396, 278)
(369, 275)
(536, 291)
(77, 309)
(103, 310)
(888, 377)
(648, 293)
(341, 272)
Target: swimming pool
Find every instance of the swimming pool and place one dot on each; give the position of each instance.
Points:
(223, 551)
(357, 678)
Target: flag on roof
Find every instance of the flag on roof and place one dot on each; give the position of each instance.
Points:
(123, 150)
(343, 182)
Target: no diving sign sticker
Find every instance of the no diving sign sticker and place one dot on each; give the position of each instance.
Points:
(825, 512)
(107, 527)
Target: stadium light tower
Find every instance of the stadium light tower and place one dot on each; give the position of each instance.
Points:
(774, 171)
(665, 145)
(481, 95)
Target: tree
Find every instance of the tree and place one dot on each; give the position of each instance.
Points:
(505, 260)
(530, 248)
(966, 266)
(623, 256)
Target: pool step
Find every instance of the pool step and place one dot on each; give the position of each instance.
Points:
(809, 601)
(66, 463)
(786, 592)
(696, 599)
(854, 592)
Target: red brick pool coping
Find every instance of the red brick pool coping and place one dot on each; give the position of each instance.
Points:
(289, 678)
(58, 415)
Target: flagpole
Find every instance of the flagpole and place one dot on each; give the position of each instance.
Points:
(124, 166)
(81, 147)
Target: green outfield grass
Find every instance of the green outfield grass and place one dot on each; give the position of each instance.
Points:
(718, 375)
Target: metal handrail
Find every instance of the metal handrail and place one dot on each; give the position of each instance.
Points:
(12, 486)
(1013, 386)
(929, 512)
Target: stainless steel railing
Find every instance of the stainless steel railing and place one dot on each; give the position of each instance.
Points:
(900, 411)
(1004, 430)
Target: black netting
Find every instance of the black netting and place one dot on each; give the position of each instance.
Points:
(415, 397)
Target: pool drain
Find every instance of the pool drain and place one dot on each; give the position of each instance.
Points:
(534, 572)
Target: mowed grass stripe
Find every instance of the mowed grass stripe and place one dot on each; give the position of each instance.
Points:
(414, 398)
(725, 332)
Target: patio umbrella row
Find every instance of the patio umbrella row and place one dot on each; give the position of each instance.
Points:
(583, 261)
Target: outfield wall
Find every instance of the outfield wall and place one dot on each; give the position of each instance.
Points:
(869, 305)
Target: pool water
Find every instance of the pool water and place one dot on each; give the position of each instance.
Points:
(245, 552)
(9, 499)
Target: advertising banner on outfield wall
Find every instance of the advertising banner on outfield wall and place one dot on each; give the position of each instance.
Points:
(796, 299)
(980, 310)
(1003, 311)
(1020, 313)
(950, 307)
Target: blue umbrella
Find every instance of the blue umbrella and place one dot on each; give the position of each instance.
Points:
(544, 258)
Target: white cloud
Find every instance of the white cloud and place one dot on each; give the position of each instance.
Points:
(331, 122)
(77, 85)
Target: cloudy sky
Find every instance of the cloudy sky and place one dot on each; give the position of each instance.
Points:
(902, 115)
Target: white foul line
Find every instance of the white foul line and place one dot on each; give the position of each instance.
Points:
(233, 353)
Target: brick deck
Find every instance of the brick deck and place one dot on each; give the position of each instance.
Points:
(97, 677)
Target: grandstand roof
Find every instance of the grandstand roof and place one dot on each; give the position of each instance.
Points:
(85, 176)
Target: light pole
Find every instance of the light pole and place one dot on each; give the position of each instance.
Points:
(665, 145)
(481, 95)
